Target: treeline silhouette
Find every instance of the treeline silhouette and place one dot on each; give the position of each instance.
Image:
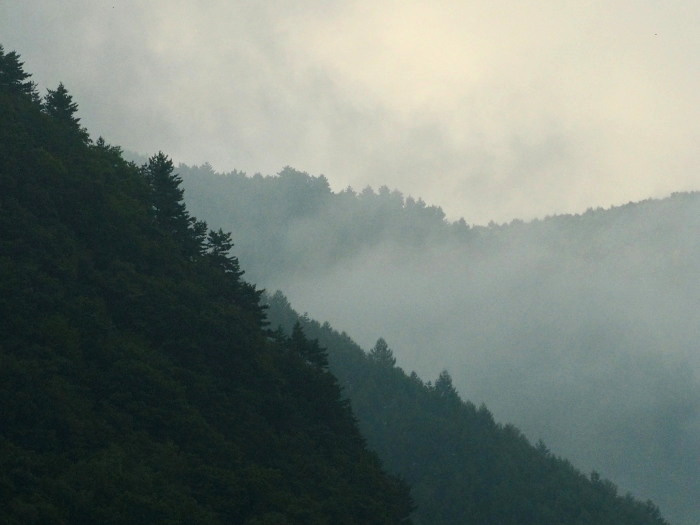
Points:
(138, 383)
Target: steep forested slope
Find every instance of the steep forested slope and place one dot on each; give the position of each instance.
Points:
(137, 382)
(462, 466)
(299, 215)
(580, 329)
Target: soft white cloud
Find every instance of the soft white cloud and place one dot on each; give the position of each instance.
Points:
(493, 110)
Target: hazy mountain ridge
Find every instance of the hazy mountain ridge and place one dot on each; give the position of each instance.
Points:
(137, 381)
(348, 222)
(580, 329)
(288, 210)
(463, 467)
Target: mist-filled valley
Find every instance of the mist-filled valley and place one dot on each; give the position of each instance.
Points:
(145, 379)
(196, 344)
(582, 330)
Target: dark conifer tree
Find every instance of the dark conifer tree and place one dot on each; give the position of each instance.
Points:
(219, 246)
(136, 384)
(13, 78)
(310, 350)
(444, 387)
(381, 353)
(198, 234)
(168, 207)
(169, 210)
(58, 103)
(464, 468)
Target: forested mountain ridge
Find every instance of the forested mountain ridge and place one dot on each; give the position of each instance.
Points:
(292, 207)
(463, 467)
(138, 383)
(580, 329)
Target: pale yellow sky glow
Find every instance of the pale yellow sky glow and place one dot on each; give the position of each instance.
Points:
(492, 110)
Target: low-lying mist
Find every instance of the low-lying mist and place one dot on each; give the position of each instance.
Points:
(595, 355)
(581, 330)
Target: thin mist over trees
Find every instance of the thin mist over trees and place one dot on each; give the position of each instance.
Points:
(580, 329)
(463, 467)
(296, 212)
(141, 382)
(138, 381)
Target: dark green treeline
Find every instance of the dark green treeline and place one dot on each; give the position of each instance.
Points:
(463, 467)
(138, 383)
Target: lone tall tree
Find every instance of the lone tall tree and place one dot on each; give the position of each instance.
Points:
(219, 246)
(167, 196)
(13, 78)
(58, 103)
(382, 354)
(444, 387)
(308, 349)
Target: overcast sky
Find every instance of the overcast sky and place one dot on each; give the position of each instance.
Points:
(493, 110)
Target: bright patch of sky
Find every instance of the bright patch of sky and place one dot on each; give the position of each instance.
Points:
(493, 110)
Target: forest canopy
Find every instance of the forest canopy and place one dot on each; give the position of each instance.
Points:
(144, 380)
(138, 381)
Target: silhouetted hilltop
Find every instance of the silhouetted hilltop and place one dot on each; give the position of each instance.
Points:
(463, 467)
(579, 329)
(138, 383)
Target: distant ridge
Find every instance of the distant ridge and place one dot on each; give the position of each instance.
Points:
(580, 329)
(138, 383)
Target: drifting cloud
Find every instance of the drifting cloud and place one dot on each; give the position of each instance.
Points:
(493, 110)
(582, 335)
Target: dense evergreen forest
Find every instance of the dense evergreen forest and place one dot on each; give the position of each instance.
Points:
(292, 210)
(463, 467)
(580, 329)
(141, 382)
(138, 383)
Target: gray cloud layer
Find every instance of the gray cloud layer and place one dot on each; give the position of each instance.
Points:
(587, 343)
(493, 110)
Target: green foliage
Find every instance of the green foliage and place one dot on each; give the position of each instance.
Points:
(169, 210)
(462, 466)
(13, 78)
(59, 105)
(137, 381)
(296, 213)
(219, 245)
(310, 351)
(382, 354)
(444, 387)
(541, 318)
